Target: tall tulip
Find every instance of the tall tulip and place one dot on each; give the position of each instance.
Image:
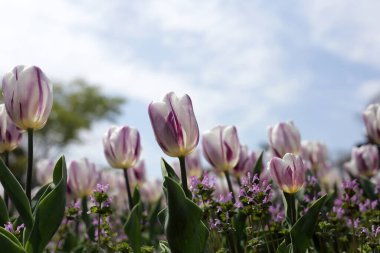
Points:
(284, 138)
(246, 162)
(122, 149)
(289, 175)
(315, 153)
(371, 117)
(28, 97)
(175, 128)
(221, 149)
(82, 178)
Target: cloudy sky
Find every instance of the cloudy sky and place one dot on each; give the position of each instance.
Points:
(247, 63)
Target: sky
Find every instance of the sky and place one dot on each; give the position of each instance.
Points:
(245, 63)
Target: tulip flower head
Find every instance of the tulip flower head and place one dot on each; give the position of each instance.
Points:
(174, 125)
(315, 153)
(10, 135)
(28, 97)
(82, 177)
(221, 147)
(288, 173)
(284, 138)
(247, 161)
(122, 147)
(371, 117)
(365, 160)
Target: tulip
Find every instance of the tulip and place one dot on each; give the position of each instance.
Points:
(174, 125)
(371, 117)
(44, 171)
(221, 148)
(122, 149)
(10, 135)
(288, 173)
(139, 172)
(246, 162)
(365, 160)
(175, 128)
(314, 153)
(284, 138)
(82, 177)
(28, 97)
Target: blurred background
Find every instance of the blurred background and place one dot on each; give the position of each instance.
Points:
(246, 63)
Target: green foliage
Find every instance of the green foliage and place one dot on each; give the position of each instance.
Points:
(9, 243)
(49, 211)
(303, 230)
(77, 106)
(16, 194)
(4, 218)
(133, 228)
(259, 164)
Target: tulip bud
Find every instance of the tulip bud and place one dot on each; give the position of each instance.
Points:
(288, 173)
(221, 147)
(371, 117)
(174, 125)
(122, 146)
(44, 172)
(365, 160)
(10, 135)
(82, 178)
(315, 153)
(28, 97)
(284, 138)
(139, 173)
(246, 162)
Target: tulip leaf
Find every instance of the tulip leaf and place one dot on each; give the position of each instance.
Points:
(153, 220)
(258, 165)
(303, 230)
(133, 228)
(184, 228)
(42, 191)
(49, 211)
(4, 218)
(168, 171)
(16, 194)
(9, 243)
(136, 195)
(164, 247)
(283, 248)
(86, 218)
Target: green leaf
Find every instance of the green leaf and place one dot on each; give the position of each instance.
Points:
(185, 230)
(258, 165)
(303, 230)
(168, 171)
(283, 248)
(153, 220)
(16, 194)
(49, 211)
(9, 243)
(86, 218)
(161, 216)
(136, 195)
(42, 191)
(4, 218)
(133, 228)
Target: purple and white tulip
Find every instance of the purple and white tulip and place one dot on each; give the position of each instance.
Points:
(314, 153)
(371, 117)
(82, 178)
(122, 147)
(284, 138)
(174, 125)
(365, 160)
(139, 172)
(28, 97)
(247, 161)
(44, 172)
(221, 147)
(288, 173)
(10, 135)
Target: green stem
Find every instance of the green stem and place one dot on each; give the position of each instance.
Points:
(6, 161)
(130, 199)
(184, 176)
(291, 210)
(29, 172)
(230, 185)
(99, 228)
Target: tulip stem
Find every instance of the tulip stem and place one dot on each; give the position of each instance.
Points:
(291, 210)
(29, 172)
(130, 199)
(184, 176)
(230, 185)
(6, 161)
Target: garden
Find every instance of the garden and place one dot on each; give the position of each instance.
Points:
(286, 198)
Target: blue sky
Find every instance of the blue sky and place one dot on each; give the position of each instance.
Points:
(247, 63)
